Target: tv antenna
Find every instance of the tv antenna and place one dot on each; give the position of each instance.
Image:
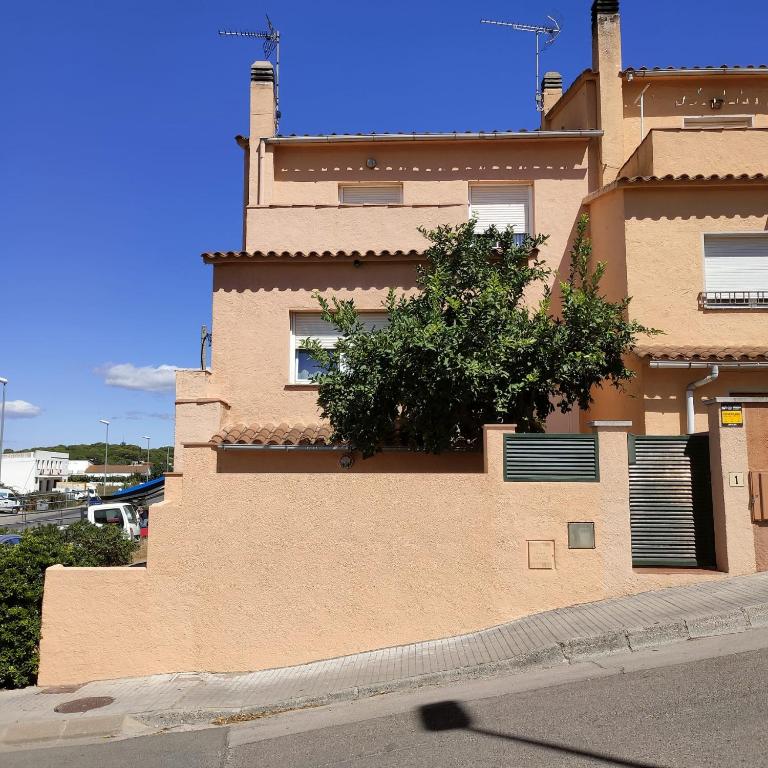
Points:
(271, 38)
(551, 30)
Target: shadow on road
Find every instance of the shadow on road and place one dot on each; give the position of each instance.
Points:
(451, 716)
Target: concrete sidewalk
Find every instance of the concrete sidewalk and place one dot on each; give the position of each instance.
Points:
(620, 625)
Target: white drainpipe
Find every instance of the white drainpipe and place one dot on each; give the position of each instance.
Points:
(714, 372)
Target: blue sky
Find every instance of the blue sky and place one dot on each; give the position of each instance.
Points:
(119, 165)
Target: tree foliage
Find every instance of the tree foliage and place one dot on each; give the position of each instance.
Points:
(119, 453)
(22, 573)
(471, 347)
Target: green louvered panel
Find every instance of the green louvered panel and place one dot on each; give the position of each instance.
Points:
(538, 458)
(670, 501)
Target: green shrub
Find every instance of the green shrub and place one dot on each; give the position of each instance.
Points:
(22, 575)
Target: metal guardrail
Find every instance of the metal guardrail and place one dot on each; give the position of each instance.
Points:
(733, 300)
(18, 521)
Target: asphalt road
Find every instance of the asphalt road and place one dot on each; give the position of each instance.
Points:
(18, 522)
(651, 713)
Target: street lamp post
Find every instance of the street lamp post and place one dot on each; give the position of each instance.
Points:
(4, 382)
(146, 437)
(106, 456)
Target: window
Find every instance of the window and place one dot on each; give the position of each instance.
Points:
(735, 271)
(109, 516)
(312, 326)
(718, 121)
(371, 194)
(501, 204)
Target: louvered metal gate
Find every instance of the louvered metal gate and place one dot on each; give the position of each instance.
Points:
(670, 501)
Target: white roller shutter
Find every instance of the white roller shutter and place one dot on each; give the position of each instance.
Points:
(370, 195)
(504, 205)
(736, 263)
(312, 326)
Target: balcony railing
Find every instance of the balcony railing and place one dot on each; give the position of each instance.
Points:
(733, 300)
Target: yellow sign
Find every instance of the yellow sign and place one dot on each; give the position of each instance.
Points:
(731, 416)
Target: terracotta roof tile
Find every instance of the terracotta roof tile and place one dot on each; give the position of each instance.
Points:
(708, 69)
(219, 256)
(269, 434)
(693, 177)
(725, 353)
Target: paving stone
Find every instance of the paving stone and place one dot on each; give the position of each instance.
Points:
(718, 624)
(97, 725)
(598, 645)
(32, 731)
(657, 635)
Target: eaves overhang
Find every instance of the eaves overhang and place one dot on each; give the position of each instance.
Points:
(630, 73)
(685, 179)
(363, 138)
(218, 257)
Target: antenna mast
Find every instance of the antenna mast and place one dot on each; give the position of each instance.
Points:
(551, 31)
(271, 38)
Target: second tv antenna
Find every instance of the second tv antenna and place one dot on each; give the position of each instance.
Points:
(271, 38)
(551, 30)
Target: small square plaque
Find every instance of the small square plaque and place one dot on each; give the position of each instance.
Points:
(581, 535)
(541, 555)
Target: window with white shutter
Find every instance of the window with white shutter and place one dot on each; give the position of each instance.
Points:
(307, 325)
(503, 205)
(736, 270)
(718, 121)
(371, 194)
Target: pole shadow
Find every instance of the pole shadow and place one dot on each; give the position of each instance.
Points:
(452, 716)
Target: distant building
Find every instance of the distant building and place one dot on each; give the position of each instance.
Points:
(31, 471)
(116, 470)
(78, 466)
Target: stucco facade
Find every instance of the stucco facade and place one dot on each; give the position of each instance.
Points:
(269, 550)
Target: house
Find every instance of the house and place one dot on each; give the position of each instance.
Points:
(77, 467)
(34, 471)
(116, 470)
(295, 548)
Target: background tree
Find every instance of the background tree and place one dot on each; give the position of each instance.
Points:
(468, 349)
(22, 574)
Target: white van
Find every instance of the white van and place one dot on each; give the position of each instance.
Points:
(9, 501)
(121, 514)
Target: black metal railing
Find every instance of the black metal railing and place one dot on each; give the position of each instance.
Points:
(733, 300)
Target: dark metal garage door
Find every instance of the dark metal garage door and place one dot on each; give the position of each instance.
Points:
(670, 501)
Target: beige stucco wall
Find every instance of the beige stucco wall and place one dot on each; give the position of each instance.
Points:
(756, 424)
(692, 152)
(667, 102)
(665, 260)
(252, 305)
(280, 574)
(253, 301)
(301, 210)
(734, 538)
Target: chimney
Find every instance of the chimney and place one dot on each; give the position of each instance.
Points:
(606, 62)
(262, 100)
(551, 91)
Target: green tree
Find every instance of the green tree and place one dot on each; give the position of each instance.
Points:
(22, 573)
(468, 349)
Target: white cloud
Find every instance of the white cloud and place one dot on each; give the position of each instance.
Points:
(21, 409)
(149, 378)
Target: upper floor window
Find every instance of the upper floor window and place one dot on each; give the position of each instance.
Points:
(502, 205)
(310, 325)
(371, 194)
(736, 270)
(718, 121)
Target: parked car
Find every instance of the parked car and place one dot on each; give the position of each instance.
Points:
(11, 539)
(9, 501)
(120, 514)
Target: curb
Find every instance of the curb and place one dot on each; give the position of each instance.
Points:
(577, 650)
(570, 652)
